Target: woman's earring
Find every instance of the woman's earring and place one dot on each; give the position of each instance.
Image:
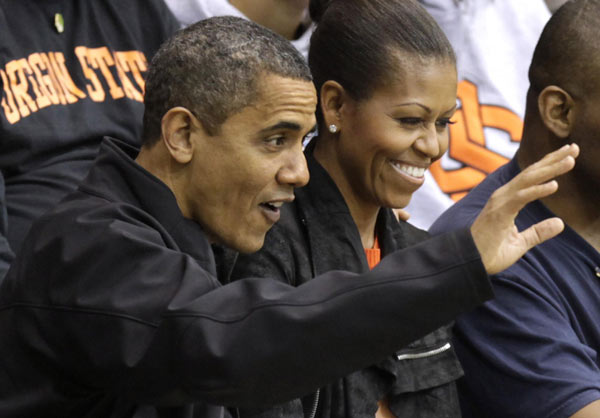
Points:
(333, 129)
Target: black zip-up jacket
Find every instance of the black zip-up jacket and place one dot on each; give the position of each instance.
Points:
(317, 234)
(112, 304)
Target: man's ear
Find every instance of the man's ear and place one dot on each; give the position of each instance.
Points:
(557, 110)
(332, 100)
(177, 126)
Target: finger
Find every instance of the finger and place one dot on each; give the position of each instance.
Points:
(540, 173)
(548, 171)
(402, 214)
(528, 195)
(542, 231)
(571, 150)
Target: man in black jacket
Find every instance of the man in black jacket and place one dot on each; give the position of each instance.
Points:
(112, 308)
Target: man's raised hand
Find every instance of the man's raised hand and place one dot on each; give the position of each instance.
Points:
(494, 231)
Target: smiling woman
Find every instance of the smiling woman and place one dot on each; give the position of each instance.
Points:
(384, 144)
(386, 82)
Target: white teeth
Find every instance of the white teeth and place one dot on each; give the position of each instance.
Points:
(411, 170)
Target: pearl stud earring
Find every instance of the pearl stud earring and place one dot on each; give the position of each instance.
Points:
(333, 129)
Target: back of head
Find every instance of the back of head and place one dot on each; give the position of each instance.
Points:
(212, 68)
(361, 43)
(567, 53)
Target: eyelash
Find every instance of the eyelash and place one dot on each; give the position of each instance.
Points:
(442, 123)
(410, 121)
(275, 140)
(445, 122)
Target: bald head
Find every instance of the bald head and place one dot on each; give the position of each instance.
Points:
(563, 102)
(568, 52)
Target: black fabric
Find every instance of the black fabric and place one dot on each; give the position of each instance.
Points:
(112, 304)
(62, 92)
(317, 234)
(6, 253)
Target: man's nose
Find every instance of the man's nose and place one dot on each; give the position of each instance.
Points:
(295, 171)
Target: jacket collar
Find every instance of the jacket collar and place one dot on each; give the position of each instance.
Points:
(327, 218)
(116, 176)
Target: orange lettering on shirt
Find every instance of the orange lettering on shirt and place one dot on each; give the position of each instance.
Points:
(19, 86)
(122, 67)
(468, 144)
(11, 113)
(70, 90)
(44, 80)
(101, 58)
(95, 89)
(135, 63)
(41, 99)
(55, 81)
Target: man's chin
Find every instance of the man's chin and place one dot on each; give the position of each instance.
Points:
(246, 245)
(248, 249)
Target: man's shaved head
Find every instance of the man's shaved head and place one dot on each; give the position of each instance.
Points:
(568, 52)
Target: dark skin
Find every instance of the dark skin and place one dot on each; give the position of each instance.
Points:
(553, 120)
(405, 122)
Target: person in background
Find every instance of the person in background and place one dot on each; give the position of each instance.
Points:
(71, 72)
(112, 307)
(533, 350)
(554, 5)
(288, 18)
(494, 41)
(386, 80)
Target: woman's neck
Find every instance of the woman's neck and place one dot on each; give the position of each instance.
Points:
(362, 211)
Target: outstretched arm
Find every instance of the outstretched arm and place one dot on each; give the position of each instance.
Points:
(496, 237)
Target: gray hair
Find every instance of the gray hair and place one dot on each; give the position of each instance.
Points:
(212, 69)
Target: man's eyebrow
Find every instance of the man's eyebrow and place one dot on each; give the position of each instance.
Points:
(290, 126)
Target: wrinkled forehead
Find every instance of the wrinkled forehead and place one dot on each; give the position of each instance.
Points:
(279, 104)
(284, 94)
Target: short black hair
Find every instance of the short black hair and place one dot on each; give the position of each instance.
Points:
(212, 68)
(567, 53)
(357, 42)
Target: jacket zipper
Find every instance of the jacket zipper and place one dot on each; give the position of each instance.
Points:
(315, 405)
(406, 356)
(423, 354)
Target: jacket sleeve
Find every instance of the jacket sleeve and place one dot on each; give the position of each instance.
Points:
(280, 342)
(148, 321)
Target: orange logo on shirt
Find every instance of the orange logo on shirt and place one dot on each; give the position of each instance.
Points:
(42, 79)
(468, 144)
